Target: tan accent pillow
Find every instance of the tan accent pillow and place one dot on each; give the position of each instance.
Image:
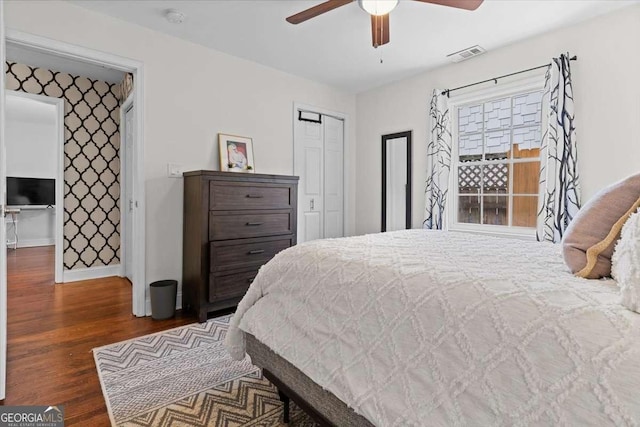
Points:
(589, 241)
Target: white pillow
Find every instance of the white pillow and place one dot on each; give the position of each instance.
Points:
(625, 263)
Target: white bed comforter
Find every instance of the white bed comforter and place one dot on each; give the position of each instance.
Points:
(419, 328)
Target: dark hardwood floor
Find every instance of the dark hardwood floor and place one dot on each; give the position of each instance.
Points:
(52, 329)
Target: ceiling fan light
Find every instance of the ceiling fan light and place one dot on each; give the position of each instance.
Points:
(378, 7)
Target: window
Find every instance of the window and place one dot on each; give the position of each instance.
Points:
(497, 161)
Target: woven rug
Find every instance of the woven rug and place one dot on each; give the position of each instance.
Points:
(184, 377)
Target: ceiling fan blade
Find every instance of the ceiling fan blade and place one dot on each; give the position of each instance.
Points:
(460, 4)
(317, 10)
(380, 30)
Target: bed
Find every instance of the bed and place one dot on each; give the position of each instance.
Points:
(420, 327)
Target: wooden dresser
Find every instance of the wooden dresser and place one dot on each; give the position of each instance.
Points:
(233, 224)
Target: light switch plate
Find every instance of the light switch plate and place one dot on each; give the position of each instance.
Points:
(174, 170)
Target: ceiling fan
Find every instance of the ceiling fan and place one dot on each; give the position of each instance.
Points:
(379, 11)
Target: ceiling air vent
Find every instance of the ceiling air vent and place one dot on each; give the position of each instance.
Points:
(467, 53)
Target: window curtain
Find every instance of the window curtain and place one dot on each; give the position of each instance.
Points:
(559, 199)
(438, 162)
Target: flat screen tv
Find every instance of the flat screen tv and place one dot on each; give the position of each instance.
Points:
(31, 191)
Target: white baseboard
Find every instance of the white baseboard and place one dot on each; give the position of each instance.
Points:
(178, 303)
(30, 243)
(90, 273)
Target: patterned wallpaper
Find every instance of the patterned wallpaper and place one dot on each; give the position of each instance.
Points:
(91, 161)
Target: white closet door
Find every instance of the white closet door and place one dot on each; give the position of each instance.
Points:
(309, 166)
(333, 177)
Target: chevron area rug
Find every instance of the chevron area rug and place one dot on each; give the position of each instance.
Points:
(184, 377)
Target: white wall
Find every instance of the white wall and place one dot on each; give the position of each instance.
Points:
(607, 95)
(32, 138)
(31, 152)
(191, 94)
(36, 227)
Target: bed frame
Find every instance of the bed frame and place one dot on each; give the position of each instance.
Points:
(320, 404)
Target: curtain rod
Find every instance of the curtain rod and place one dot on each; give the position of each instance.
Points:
(495, 79)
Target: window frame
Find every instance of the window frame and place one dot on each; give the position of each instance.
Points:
(514, 87)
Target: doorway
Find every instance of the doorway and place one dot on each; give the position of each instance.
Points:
(34, 147)
(319, 161)
(97, 59)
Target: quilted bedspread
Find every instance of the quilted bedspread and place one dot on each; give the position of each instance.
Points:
(422, 328)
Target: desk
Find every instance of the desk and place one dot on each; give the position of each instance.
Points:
(13, 212)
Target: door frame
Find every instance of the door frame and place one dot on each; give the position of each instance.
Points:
(96, 57)
(346, 194)
(59, 207)
(3, 237)
(124, 201)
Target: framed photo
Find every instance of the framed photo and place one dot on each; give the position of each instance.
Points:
(236, 153)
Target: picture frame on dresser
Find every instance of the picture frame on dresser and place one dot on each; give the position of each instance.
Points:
(233, 224)
(236, 153)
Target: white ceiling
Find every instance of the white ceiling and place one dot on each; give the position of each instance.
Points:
(335, 48)
(40, 59)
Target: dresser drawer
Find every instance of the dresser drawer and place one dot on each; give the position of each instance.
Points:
(240, 225)
(239, 195)
(227, 286)
(247, 253)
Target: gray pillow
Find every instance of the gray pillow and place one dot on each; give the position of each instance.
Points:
(589, 241)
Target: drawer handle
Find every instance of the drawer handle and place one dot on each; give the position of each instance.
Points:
(250, 280)
(255, 196)
(256, 252)
(253, 224)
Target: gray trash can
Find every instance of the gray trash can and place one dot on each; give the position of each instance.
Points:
(163, 299)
